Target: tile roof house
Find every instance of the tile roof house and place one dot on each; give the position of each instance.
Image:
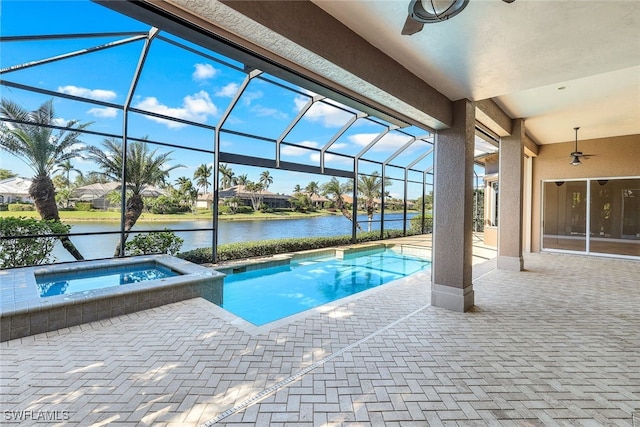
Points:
(97, 193)
(14, 190)
(270, 199)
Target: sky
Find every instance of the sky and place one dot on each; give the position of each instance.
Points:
(179, 83)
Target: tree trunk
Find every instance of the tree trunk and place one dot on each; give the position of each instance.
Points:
(346, 213)
(43, 193)
(370, 212)
(135, 205)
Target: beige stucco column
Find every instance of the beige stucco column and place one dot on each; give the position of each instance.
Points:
(511, 171)
(451, 286)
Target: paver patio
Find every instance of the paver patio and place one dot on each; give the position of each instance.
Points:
(557, 344)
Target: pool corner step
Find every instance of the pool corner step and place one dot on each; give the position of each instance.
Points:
(341, 253)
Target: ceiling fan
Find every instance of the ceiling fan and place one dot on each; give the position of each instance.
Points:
(431, 11)
(576, 155)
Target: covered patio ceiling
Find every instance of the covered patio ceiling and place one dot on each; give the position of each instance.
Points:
(557, 64)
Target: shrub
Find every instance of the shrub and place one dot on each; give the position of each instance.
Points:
(224, 210)
(84, 206)
(244, 210)
(164, 205)
(260, 248)
(17, 251)
(416, 223)
(163, 242)
(20, 207)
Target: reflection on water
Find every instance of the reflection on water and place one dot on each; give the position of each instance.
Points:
(143, 275)
(53, 288)
(264, 295)
(103, 246)
(87, 280)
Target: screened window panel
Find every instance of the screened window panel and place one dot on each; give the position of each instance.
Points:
(248, 146)
(263, 109)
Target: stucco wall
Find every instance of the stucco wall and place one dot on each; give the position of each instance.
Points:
(613, 157)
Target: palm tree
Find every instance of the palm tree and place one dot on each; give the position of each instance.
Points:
(6, 173)
(266, 179)
(143, 168)
(183, 182)
(255, 194)
(242, 179)
(42, 150)
(89, 178)
(370, 188)
(300, 202)
(335, 190)
(312, 188)
(187, 193)
(67, 167)
(297, 189)
(202, 175)
(227, 176)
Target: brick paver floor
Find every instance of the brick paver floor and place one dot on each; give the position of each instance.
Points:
(558, 344)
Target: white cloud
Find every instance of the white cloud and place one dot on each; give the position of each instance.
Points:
(331, 159)
(300, 101)
(231, 89)
(323, 113)
(249, 97)
(391, 142)
(228, 91)
(196, 108)
(262, 111)
(99, 94)
(337, 146)
(298, 151)
(107, 112)
(362, 139)
(203, 72)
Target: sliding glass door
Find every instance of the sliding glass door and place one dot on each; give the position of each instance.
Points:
(565, 215)
(608, 208)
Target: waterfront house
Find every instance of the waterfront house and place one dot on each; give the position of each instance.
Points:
(97, 194)
(14, 190)
(268, 198)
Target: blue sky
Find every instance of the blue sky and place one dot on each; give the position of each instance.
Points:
(184, 85)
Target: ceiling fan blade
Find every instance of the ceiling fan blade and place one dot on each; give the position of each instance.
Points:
(581, 154)
(411, 27)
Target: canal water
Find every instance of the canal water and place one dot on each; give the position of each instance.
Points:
(103, 246)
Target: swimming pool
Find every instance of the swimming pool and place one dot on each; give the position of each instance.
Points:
(40, 299)
(80, 281)
(265, 295)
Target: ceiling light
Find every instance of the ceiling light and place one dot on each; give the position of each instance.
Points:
(430, 11)
(576, 161)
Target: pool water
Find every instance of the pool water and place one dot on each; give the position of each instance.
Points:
(262, 296)
(87, 280)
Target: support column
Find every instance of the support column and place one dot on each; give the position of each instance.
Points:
(451, 286)
(511, 170)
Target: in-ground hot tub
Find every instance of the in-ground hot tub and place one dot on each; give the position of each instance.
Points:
(42, 299)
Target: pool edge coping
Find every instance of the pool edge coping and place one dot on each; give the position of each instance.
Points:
(31, 314)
